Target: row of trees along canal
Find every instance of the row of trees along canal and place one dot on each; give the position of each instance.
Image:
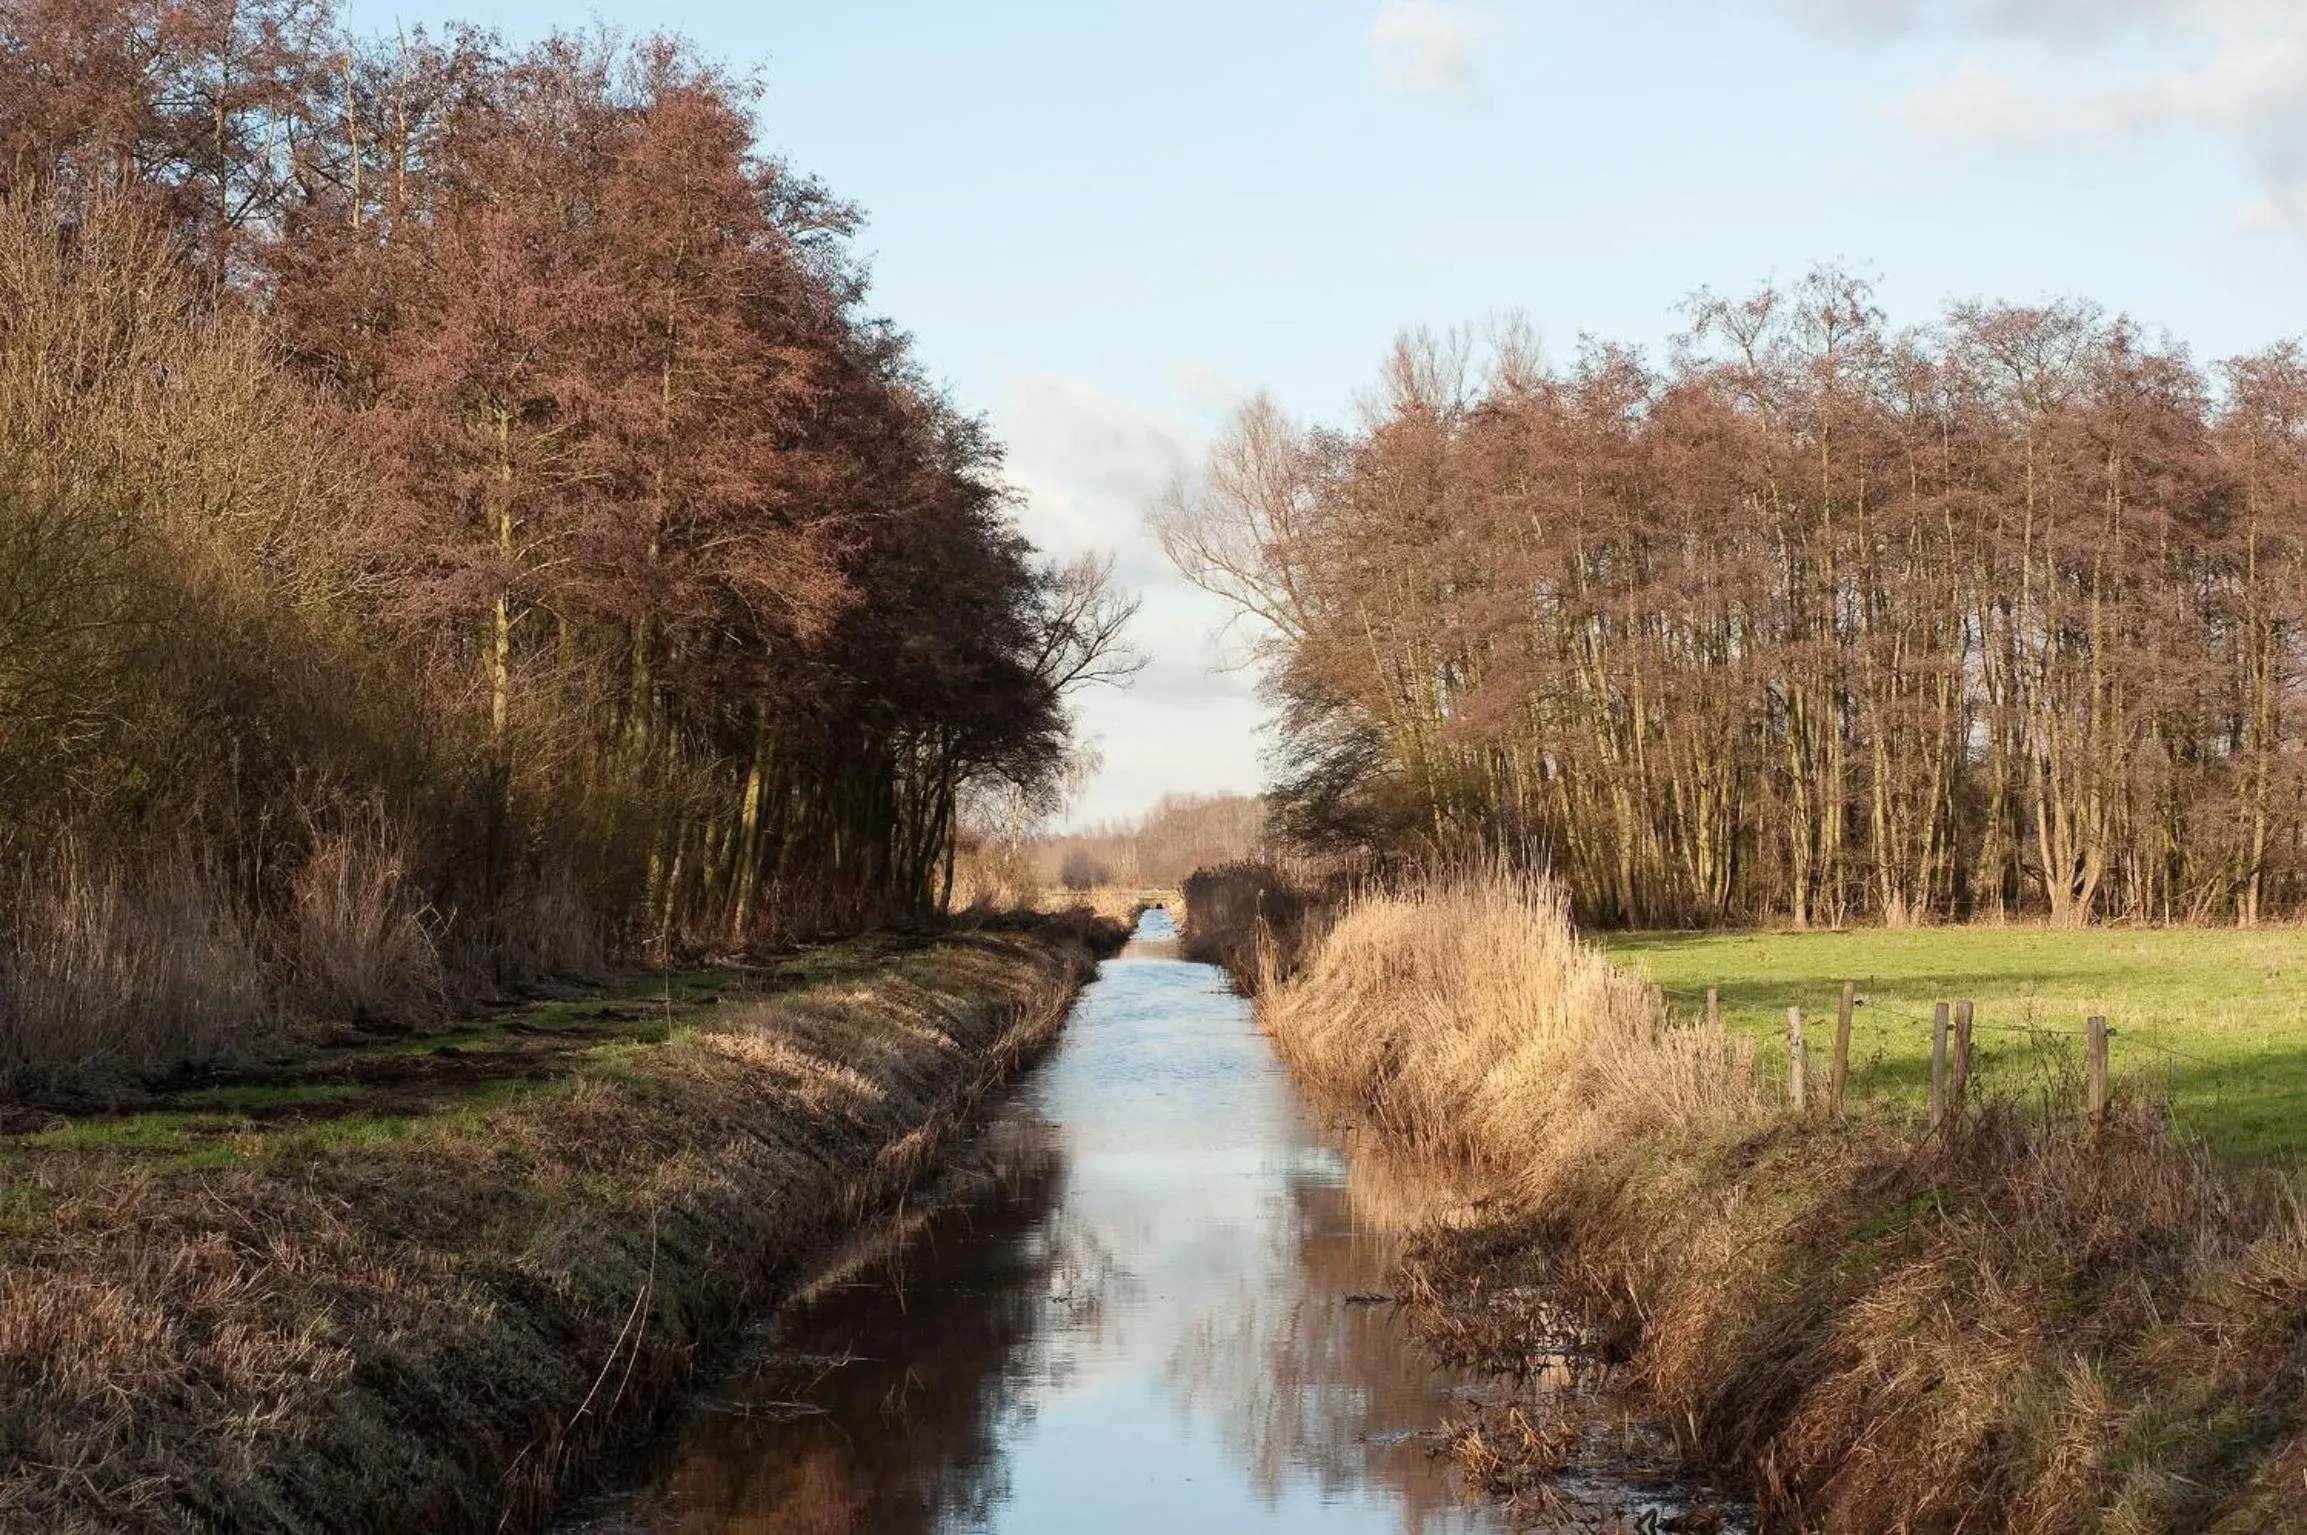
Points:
(1181, 833)
(458, 517)
(1818, 620)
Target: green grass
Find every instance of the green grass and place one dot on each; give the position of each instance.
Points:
(2216, 1017)
(247, 1096)
(160, 1133)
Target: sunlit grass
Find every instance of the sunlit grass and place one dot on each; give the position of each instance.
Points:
(289, 1145)
(2215, 1015)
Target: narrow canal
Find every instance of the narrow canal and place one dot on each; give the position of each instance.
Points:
(1159, 1310)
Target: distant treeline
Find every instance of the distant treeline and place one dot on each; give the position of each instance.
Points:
(1182, 833)
(1819, 620)
(457, 519)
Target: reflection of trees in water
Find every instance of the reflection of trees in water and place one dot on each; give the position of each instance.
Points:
(1098, 1295)
(885, 1405)
(879, 1411)
(1312, 1387)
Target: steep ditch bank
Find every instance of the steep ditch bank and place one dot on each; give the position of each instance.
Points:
(428, 1285)
(2029, 1324)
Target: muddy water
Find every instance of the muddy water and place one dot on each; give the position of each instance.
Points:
(1158, 1309)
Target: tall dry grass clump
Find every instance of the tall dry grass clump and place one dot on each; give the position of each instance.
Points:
(1468, 1017)
(364, 953)
(107, 979)
(993, 875)
(2027, 1322)
(1119, 904)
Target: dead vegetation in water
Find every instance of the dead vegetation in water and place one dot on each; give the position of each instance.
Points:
(1557, 1468)
(1559, 1441)
(1513, 1451)
(423, 1285)
(2029, 1324)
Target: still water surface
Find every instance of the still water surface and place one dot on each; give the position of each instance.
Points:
(1157, 1312)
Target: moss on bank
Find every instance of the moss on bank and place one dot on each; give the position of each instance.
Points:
(425, 1284)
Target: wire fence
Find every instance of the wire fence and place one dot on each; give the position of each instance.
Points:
(1859, 1049)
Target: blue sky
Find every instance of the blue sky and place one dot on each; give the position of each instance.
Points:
(1106, 223)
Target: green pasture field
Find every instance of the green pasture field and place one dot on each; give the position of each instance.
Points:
(2216, 1017)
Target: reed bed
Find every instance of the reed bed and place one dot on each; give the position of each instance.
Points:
(1468, 1018)
(2027, 1322)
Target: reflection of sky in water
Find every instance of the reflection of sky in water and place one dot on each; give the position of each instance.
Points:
(1150, 1337)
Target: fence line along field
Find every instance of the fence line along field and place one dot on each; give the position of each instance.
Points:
(2215, 1016)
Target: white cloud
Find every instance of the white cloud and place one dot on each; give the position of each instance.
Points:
(1213, 392)
(2063, 21)
(2091, 73)
(1426, 47)
(1977, 105)
(1089, 463)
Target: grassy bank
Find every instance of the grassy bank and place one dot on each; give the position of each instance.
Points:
(2028, 1324)
(426, 1284)
(2215, 1017)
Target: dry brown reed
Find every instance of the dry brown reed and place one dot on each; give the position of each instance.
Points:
(2029, 1323)
(1562, 1049)
(1112, 903)
(547, 927)
(106, 980)
(993, 875)
(363, 951)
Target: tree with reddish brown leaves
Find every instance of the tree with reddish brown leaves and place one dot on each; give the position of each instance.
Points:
(1821, 622)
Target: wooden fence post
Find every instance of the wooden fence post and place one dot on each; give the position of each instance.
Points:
(1939, 1066)
(2095, 1068)
(1839, 1067)
(1713, 1008)
(1797, 1059)
(1958, 1082)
